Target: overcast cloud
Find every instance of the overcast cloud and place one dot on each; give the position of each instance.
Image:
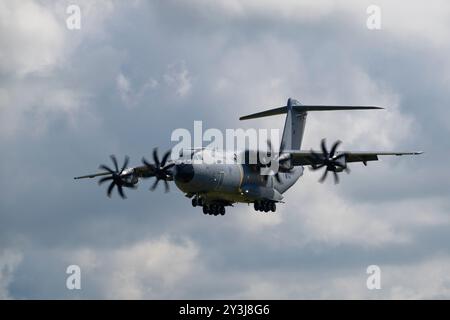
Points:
(137, 70)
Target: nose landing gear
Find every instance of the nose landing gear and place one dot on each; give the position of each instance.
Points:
(265, 206)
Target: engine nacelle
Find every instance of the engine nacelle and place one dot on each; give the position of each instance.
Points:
(129, 177)
(342, 161)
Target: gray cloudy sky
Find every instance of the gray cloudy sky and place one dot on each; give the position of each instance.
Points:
(139, 69)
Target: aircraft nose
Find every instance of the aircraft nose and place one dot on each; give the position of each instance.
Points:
(185, 172)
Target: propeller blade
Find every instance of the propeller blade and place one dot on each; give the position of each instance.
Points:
(166, 186)
(324, 148)
(170, 165)
(320, 166)
(164, 159)
(329, 160)
(340, 165)
(315, 159)
(104, 179)
(333, 149)
(115, 177)
(114, 160)
(106, 168)
(110, 188)
(120, 189)
(155, 184)
(160, 169)
(342, 155)
(125, 164)
(336, 177)
(155, 157)
(324, 176)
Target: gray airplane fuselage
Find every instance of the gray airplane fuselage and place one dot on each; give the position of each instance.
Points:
(232, 182)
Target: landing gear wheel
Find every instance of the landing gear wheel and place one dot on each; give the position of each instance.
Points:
(266, 207)
(194, 202)
(256, 206)
(206, 210)
(273, 207)
(222, 210)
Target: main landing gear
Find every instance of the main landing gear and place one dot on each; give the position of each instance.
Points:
(211, 208)
(214, 209)
(265, 206)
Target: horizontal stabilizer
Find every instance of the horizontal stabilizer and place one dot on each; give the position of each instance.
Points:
(305, 108)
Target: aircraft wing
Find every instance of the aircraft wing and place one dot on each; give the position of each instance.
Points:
(140, 171)
(306, 158)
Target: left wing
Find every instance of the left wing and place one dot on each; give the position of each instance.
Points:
(307, 158)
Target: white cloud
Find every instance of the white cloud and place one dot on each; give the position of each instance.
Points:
(273, 9)
(420, 280)
(35, 43)
(147, 269)
(426, 280)
(124, 87)
(9, 260)
(406, 19)
(32, 37)
(130, 96)
(415, 20)
(178, 78)
(42, 104)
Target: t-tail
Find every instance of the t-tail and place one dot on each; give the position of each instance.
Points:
(296, 119)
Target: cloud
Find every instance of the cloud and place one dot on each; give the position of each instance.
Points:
(9, 260)
(419, 24)
(32, 38)
(37, 46)
(129, 95)
(148, 269)
(178, 78)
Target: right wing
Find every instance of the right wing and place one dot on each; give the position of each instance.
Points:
(306, 158)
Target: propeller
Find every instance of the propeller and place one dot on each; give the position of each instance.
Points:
(160, 169)
(329, 160)
(115, 177)
(280, 158)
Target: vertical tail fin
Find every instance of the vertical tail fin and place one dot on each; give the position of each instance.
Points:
(294, 126)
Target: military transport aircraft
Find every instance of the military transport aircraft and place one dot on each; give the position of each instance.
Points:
(215, 184)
